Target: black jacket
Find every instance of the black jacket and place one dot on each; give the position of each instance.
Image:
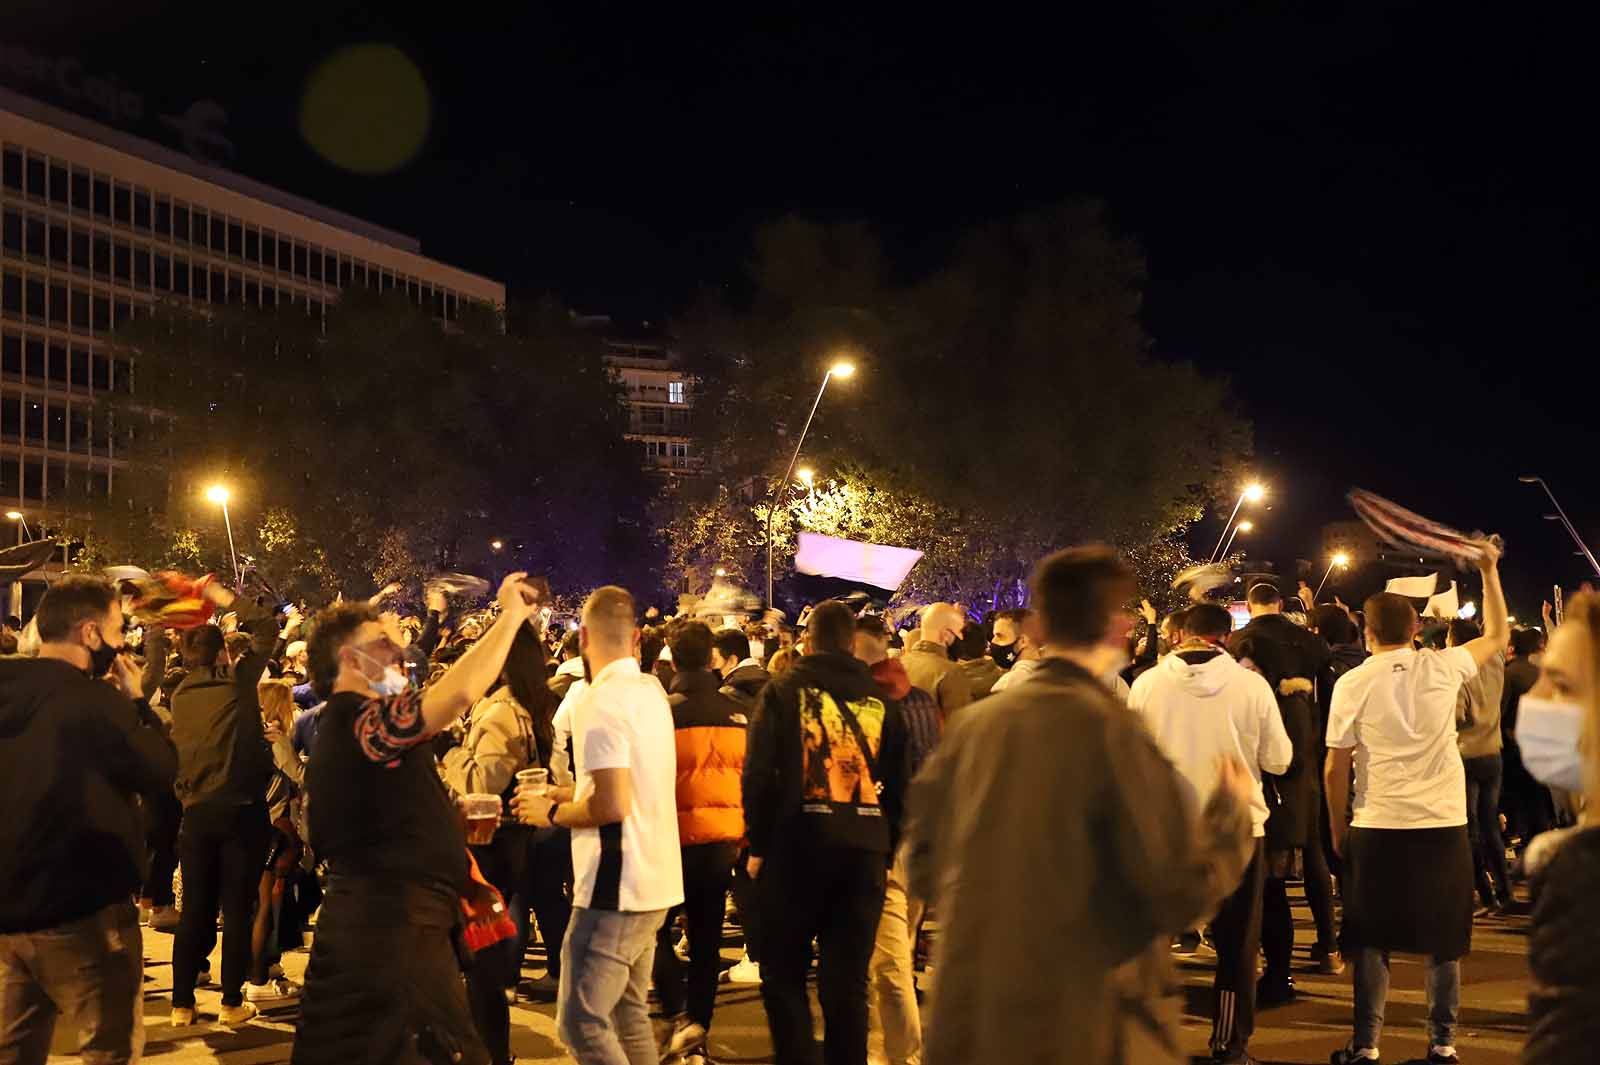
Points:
(1564, 952)
(745, 683)
(74, 753)
(806, 782)
(1280, 649)
(223, 755)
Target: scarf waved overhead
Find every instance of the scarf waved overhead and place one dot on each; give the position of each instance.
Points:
(1408, 531)
(172, 600)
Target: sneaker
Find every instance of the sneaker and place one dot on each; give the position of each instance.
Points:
(1351, 1056)
(182, 1016)
(164, 919)
(231, 1015)
(276, 989)
(1331, 964)
(686, 1035)
(275, 972)
(202, 976)
(745, 972)
(1194, 945)
(681, 948)
(1272, 990)
(539, 988)
(1442, 1056)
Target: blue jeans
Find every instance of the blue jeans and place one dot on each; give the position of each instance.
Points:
(1483, 825)
(1441, 984)
(601, 1014)
(91, 970)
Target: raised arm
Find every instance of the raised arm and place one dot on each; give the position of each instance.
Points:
(466, 681)
(1496, 629)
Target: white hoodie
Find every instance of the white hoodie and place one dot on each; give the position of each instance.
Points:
(1200, 713)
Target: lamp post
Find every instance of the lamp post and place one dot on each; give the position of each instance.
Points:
(16, 585)
(219, 494)
(1561, 516)
(839, 369)
(24, 534)
(1341, 560)
(1253, 492)
(1243, 526)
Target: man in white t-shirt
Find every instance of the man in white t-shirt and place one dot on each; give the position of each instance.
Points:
(1408, 861)
(626, 863)
(1202, 707)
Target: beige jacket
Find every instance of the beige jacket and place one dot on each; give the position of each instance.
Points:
(499, 742)
(930, 668)
(1054, 839)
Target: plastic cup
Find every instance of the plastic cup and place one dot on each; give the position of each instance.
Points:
(533, 781)
(483, 817)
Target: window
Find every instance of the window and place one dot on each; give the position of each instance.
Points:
(141, 210)
(345, 275)
(235, 239)
(12, 169)
(163, 216)
(80, 191)
(180, 276)
(269, 295)
(102, 256)
(675, 392)
(122, 264)
(11, 428)
(58, 363)
(102, 313)
(34, 227)
(36, 187)
(180, 222)
(285, 255)
(269, 249)
(32, 478)
(330, 268)
(316, 265)
(34, 298)
(59, 245)
(252, 246)
(122, 204)
(58, 185)
(219, 286)
(653, 418)
(80, 249)
(199, 282)
(124, 312)
(33, 351)
(56, 481)
(11, 294)
(11, 232)
(80, 310)
(141, 268)
(101, 373)
(252, 294)
(360, 274)
(11, 354)
(80, 369)
(198, 228)
(78, 423)
(122, 381)
(299, 260)
(235, 288)
(100, 483)
(102, 197)
(219, 234)
(680, 454)
(163, 273)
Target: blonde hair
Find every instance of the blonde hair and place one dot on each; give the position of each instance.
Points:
(277, 702)
(781, 663)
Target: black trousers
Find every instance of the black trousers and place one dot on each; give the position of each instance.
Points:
(834, 895)
(162, 815)
(223, 850)
(504, 864)
(747, 903)
(547, 889)
(1483, 828)
(1237, 931)
(692, 989)
(1277, 920)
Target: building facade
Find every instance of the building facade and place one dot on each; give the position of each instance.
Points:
(97, 225)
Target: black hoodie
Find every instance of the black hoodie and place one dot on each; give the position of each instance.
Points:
(74, 753)
(806, 783)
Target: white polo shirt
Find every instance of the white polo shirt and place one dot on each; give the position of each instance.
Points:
(622, 721)
(1398, 710)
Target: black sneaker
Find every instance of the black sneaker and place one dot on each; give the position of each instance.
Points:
(1273, 990)
(1443, 1056)
(1351, 1056)
(1233, 1057)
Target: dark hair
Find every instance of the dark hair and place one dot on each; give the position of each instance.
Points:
(831, 629)
(526, 674)
(1208, 619)
(691, 646)
(1264, 593)
(1525, 642)
(71, 601)
(651, 640)
(571, 646)
(1177, 620)
(872, 625)
(331, 629)
(200, 647)
(972, 646)
(1334, 625)
(1077, 590)
(1391, 618)
(731, 643)
(1462, 630)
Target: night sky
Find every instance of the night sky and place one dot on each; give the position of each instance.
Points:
(1379, 225)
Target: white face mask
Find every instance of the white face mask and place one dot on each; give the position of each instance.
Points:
(392, 682)
(1547, 732)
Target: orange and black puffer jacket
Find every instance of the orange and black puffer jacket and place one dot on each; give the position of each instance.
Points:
(710, 740)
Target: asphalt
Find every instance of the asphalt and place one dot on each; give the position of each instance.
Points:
(1494, 995)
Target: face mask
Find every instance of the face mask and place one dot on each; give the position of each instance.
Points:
(392, 682)
(1004, 654)
(100, 658)
(1547, 732)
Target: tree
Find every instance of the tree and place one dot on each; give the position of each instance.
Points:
(376, 446)
(1009, 391)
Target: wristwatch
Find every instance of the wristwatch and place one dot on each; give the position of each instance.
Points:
(551, 816)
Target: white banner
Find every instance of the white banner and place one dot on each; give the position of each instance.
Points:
(1414, 587)
(872, 564)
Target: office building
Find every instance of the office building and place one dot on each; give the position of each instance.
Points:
(96, 225)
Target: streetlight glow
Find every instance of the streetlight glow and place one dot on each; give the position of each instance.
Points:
(496, 544)
(842, 369)
(13, 515)
(721, 572)
(1246, 526)
(218, 493)
(1341, 559)
(806, 475)
(1254, 491)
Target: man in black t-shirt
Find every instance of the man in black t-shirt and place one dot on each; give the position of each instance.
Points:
(383, 983)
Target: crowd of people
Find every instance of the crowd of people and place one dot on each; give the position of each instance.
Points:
(437, 795)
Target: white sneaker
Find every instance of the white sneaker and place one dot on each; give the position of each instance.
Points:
(746, 972)
(685, 1037)
(276, 989)
(681, 949)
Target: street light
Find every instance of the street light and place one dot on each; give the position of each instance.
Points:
(496, 545)
(219, 495)
(721, 572)
(1561, 516)
(1341, 560)
(1243, 526)
(806, 475)
(840, 369)
(1253, 491)
(22, 525)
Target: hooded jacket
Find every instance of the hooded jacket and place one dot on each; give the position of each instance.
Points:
(74, 754)
(745, 683)
(709, 732)
(807, 781)
(223, 755)
(923, 723)
(1202, 705)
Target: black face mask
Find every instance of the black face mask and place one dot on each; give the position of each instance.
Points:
(100, 658)
(1004, 654)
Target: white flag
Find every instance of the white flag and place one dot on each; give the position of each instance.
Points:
(1414, 587)
(871, 564)
(1444, 605)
